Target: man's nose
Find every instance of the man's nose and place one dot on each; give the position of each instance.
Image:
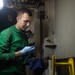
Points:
(28, 23)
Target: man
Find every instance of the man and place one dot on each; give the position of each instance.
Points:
(13, 45)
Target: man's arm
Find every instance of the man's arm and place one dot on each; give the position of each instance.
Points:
(5, 55)
(5, 44)
(18, 53)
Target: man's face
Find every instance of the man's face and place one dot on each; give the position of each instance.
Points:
(23, 21)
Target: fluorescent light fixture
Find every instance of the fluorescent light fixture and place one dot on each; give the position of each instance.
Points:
(1, 4)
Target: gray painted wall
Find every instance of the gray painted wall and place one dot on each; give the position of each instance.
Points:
(65, 28)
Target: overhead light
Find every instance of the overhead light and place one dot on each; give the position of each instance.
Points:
(1, 4)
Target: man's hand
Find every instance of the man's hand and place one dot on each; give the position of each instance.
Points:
(27, 49)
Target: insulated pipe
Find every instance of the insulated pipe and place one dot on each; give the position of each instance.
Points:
(42, 15)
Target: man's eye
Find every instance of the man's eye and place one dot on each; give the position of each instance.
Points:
(26, 21)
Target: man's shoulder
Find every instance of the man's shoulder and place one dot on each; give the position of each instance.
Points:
(7, 30)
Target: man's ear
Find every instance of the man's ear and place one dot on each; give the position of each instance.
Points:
(17, 18)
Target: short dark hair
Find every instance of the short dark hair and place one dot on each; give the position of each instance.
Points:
(24, 10)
